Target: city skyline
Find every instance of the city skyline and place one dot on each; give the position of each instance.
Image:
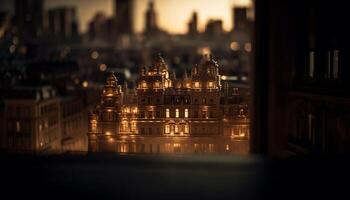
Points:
(168, 12)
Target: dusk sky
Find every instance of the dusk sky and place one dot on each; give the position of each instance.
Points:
(173, 15)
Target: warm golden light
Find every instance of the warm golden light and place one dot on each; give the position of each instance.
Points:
(248, 47)
(234, 46)
(94, 55)
(204, 51)
(12, 48)
(167, 128)
(144, 85)
(167, 113)
(210, 84)
(103, 67)
(85, 84)
(157, 84)
(196, 84)
(168, 11)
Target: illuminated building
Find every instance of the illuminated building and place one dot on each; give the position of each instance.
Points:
(168, 115)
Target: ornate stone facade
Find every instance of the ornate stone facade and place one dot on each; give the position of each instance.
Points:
(168, 115)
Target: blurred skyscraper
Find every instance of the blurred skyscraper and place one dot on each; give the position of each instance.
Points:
(62, 22)
(214, 28)
(193, 25)
(240, 19)
(151, 26)
(29, 17)
(97, 26)
(124, 16)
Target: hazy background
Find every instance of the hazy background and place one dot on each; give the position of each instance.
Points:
(168, 11)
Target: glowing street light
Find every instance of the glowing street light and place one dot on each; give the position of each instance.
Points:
(94, 55)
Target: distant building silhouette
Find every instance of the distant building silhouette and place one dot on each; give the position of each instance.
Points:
(240, 19)
(214, 28)
(97, 26)
(62, 22)
(151, 26)
(124, 16)
(193, 25)
(29, 17)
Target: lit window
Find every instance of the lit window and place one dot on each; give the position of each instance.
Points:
(157, 85)
(176, 128)
(177, 148)
(167, 128)
(177, 113)
(167, 113)
(127, 109)
(210, 84)
(211, 148)
(186, 113)
(108, 133)
(133, 126)
(144, 84)
(18, 127)
(93, 126)
(242, 131)
(311, 63)
(172, 129)
(196, 84)
(125, 126)
(186, 129)
(227, 147)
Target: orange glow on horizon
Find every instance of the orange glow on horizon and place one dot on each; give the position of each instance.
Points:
(168, 17)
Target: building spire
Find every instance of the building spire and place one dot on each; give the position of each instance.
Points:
(111, 80)
(185, 75)
(160, 63)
